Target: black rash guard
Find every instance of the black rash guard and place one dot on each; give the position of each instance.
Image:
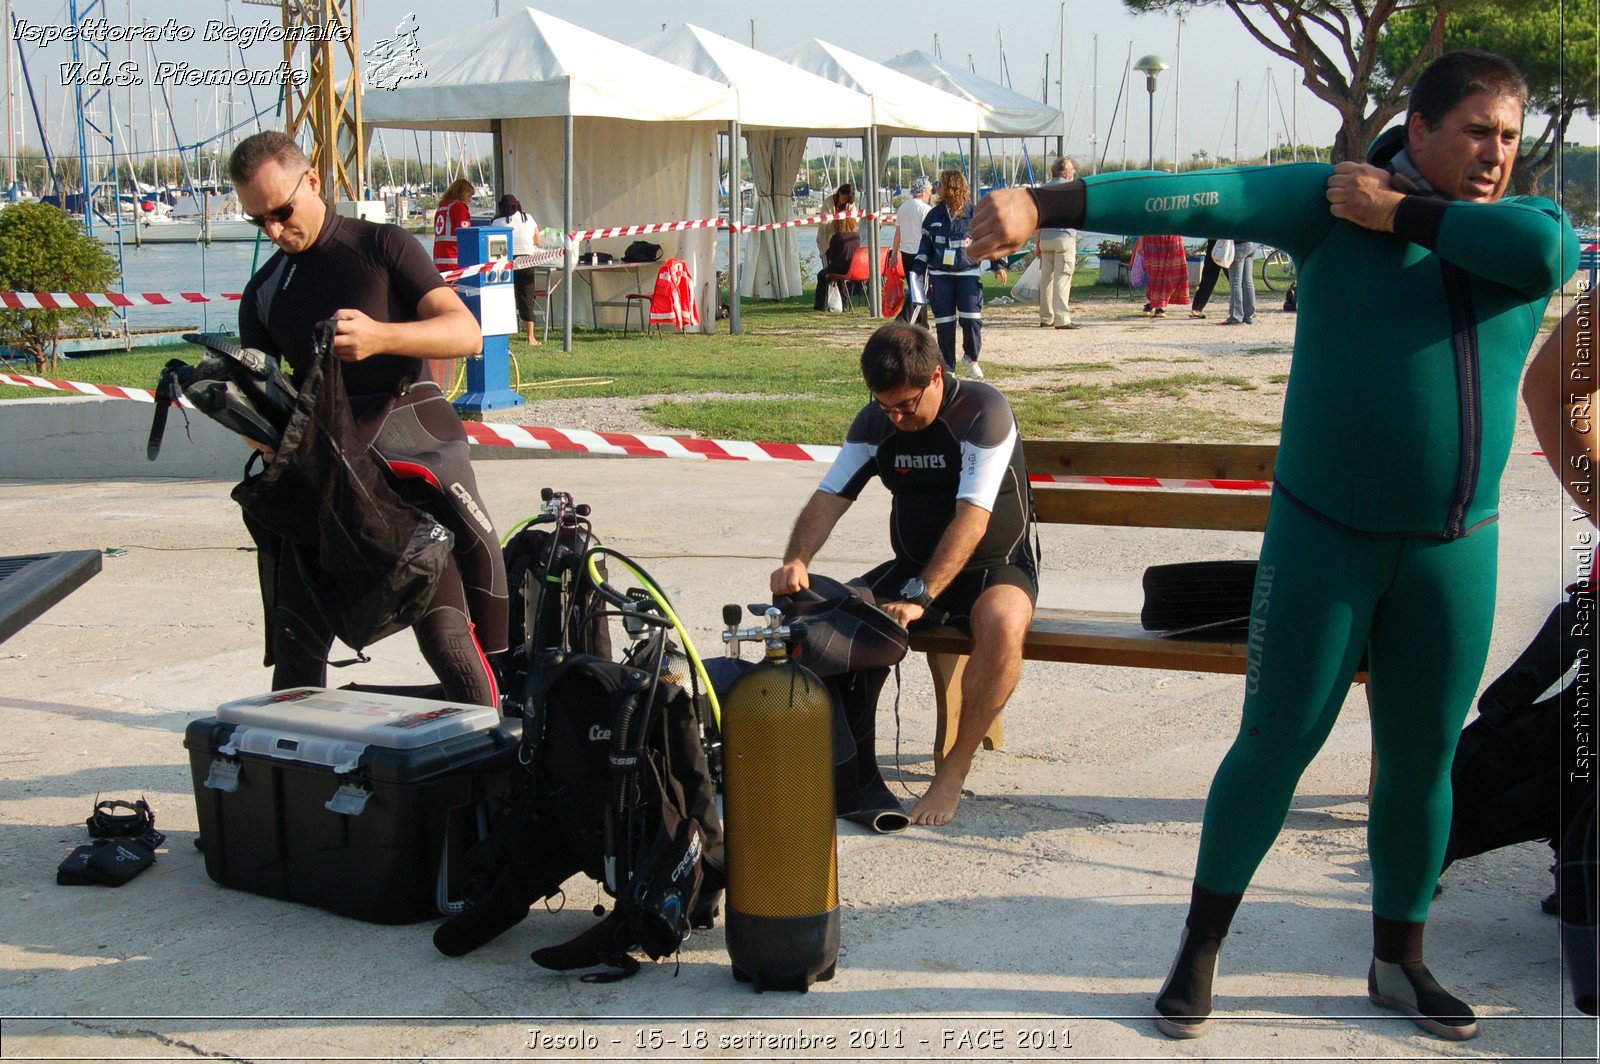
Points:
(381, 270)
(970, 451)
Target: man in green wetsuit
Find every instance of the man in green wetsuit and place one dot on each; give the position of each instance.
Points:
(1422, 288)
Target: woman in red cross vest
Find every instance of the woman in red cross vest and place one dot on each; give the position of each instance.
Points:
(451, 215)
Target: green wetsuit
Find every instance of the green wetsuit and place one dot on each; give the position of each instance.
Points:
(1397, 423)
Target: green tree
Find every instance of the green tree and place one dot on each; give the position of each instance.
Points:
(1556, 55)
(43, 249)
(1335, 44)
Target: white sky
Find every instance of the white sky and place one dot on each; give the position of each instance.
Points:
(1216, 52)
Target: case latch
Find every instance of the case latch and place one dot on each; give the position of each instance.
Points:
(224, 775)
(350, 799)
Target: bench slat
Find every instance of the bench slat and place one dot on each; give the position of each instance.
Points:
(1100, 637)
(1097, 637)
(1191, 461)
(1127, 507)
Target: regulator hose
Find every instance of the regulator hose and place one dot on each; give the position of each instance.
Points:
(590, 560)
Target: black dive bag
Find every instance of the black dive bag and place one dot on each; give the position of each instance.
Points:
(1515, 777)
(618, 788)
(1508, 781)
(555, 606)
(370, 560)
(851, 645)
(242, 389)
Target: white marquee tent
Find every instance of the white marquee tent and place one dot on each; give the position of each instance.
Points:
(1002, 112)
(901, 106)
(779, 107)
(637, 135)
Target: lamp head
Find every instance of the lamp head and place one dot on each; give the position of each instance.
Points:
(1150, 66)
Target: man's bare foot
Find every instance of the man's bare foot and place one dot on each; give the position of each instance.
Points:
(938, 804)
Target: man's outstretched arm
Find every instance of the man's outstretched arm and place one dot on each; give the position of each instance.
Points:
(811, 530)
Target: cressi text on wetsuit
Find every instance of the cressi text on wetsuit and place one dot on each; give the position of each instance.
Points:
(414, 433)
(970, 451)
(1397, 424)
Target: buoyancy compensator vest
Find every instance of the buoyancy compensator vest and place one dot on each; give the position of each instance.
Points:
(617, 787)
(242, 389)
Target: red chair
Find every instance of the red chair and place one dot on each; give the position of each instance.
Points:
(860, 272)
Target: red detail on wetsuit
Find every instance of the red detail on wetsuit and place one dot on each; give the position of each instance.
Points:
(494, 690)
(412, 469)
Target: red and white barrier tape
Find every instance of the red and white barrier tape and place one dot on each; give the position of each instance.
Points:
(521, 262)
(92, 300)
(582, 441)
(110, 391)
(88, 300)
(1151, 482)
(815, 219)
(653, 227)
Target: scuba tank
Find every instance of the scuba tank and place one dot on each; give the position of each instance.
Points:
(783, 856)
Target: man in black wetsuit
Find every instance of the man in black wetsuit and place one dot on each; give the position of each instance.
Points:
(391, 311)
(949, 453)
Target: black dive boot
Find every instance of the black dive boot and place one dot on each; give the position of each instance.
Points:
(1410, 988)
(1183, 1009)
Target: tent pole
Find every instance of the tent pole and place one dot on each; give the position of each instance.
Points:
(497, 174)
(869, 158)
(569, 257)
(735, 219)
(972, 166)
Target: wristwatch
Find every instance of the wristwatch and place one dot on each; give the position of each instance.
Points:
(916, 591)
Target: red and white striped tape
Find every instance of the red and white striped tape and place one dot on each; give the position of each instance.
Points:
(815, 219)
(583, 441)
(88, 300)
(111, 391)
(652, 227)
(521, 262)
(92, 300)
(1151, 482)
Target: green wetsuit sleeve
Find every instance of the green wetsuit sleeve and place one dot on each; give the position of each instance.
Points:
(1284, 206)
(1525, 243)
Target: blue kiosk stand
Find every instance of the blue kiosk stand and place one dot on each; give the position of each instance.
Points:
(490, 297)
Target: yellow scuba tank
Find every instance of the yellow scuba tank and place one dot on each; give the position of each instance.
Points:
(783, 855)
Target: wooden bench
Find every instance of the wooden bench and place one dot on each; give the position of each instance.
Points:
(1099, 637)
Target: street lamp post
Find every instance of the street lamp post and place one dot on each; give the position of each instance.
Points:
(1151, 65)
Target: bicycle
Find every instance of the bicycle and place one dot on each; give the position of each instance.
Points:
(1277, 269)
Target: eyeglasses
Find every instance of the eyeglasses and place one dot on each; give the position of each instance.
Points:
(281, 215)
(906, 408)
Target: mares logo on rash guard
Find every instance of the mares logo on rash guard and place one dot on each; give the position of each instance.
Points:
(1162, 204)
(904, 462)
(470, 506)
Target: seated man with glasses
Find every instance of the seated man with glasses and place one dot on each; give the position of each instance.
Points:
(949, 453)
(391, 312)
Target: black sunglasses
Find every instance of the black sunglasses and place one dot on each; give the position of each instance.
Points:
(906, 408)
(281, 215)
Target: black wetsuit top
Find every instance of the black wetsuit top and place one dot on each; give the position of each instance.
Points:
(381, 270)
(970, 451)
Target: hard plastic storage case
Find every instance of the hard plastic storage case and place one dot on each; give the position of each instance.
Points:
(356, 802)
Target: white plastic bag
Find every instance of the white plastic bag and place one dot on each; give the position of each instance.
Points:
(835, 298)
(1026, 289)
(1222, 253)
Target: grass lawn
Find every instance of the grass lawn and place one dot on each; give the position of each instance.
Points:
(791, 375)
